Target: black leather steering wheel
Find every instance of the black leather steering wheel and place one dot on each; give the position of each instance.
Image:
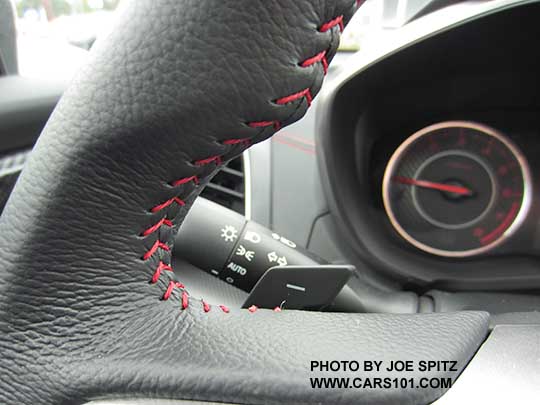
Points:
(89, 305)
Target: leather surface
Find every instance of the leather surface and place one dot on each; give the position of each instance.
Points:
(177, 88)
(506, 369)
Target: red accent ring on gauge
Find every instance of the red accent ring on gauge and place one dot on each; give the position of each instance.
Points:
(457, 189)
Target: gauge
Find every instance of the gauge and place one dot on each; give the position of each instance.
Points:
(456, 189)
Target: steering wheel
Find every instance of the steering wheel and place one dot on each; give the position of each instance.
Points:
(90, 307)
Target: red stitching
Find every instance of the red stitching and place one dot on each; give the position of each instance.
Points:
(338, 21)
(262, 124)
(153, 228)
(185, 180)
(185, 299)
(359, 3)
(306, 93)
(246, 141)
(320, 57)
(202, 162)
(167, 203)
(161, 266)
(170, 288)
(165, 221)
(296, 96)
(157, 244)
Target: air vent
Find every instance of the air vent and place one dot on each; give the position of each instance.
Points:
(10, 168)
(227, 186)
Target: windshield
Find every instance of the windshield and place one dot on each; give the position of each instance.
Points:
(54, 36)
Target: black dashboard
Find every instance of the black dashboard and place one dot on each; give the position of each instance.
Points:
(463, 73)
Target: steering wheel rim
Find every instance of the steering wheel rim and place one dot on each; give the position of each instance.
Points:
(90, 307)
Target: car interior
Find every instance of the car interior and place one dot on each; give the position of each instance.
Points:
(227, 205)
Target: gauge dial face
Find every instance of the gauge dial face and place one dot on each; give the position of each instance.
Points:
(456, 189)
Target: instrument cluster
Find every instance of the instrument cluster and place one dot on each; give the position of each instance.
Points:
(429, 156)
(457, 189)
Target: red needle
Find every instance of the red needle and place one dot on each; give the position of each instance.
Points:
(435, 186)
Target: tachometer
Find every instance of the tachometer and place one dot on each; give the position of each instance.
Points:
(456, 189)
